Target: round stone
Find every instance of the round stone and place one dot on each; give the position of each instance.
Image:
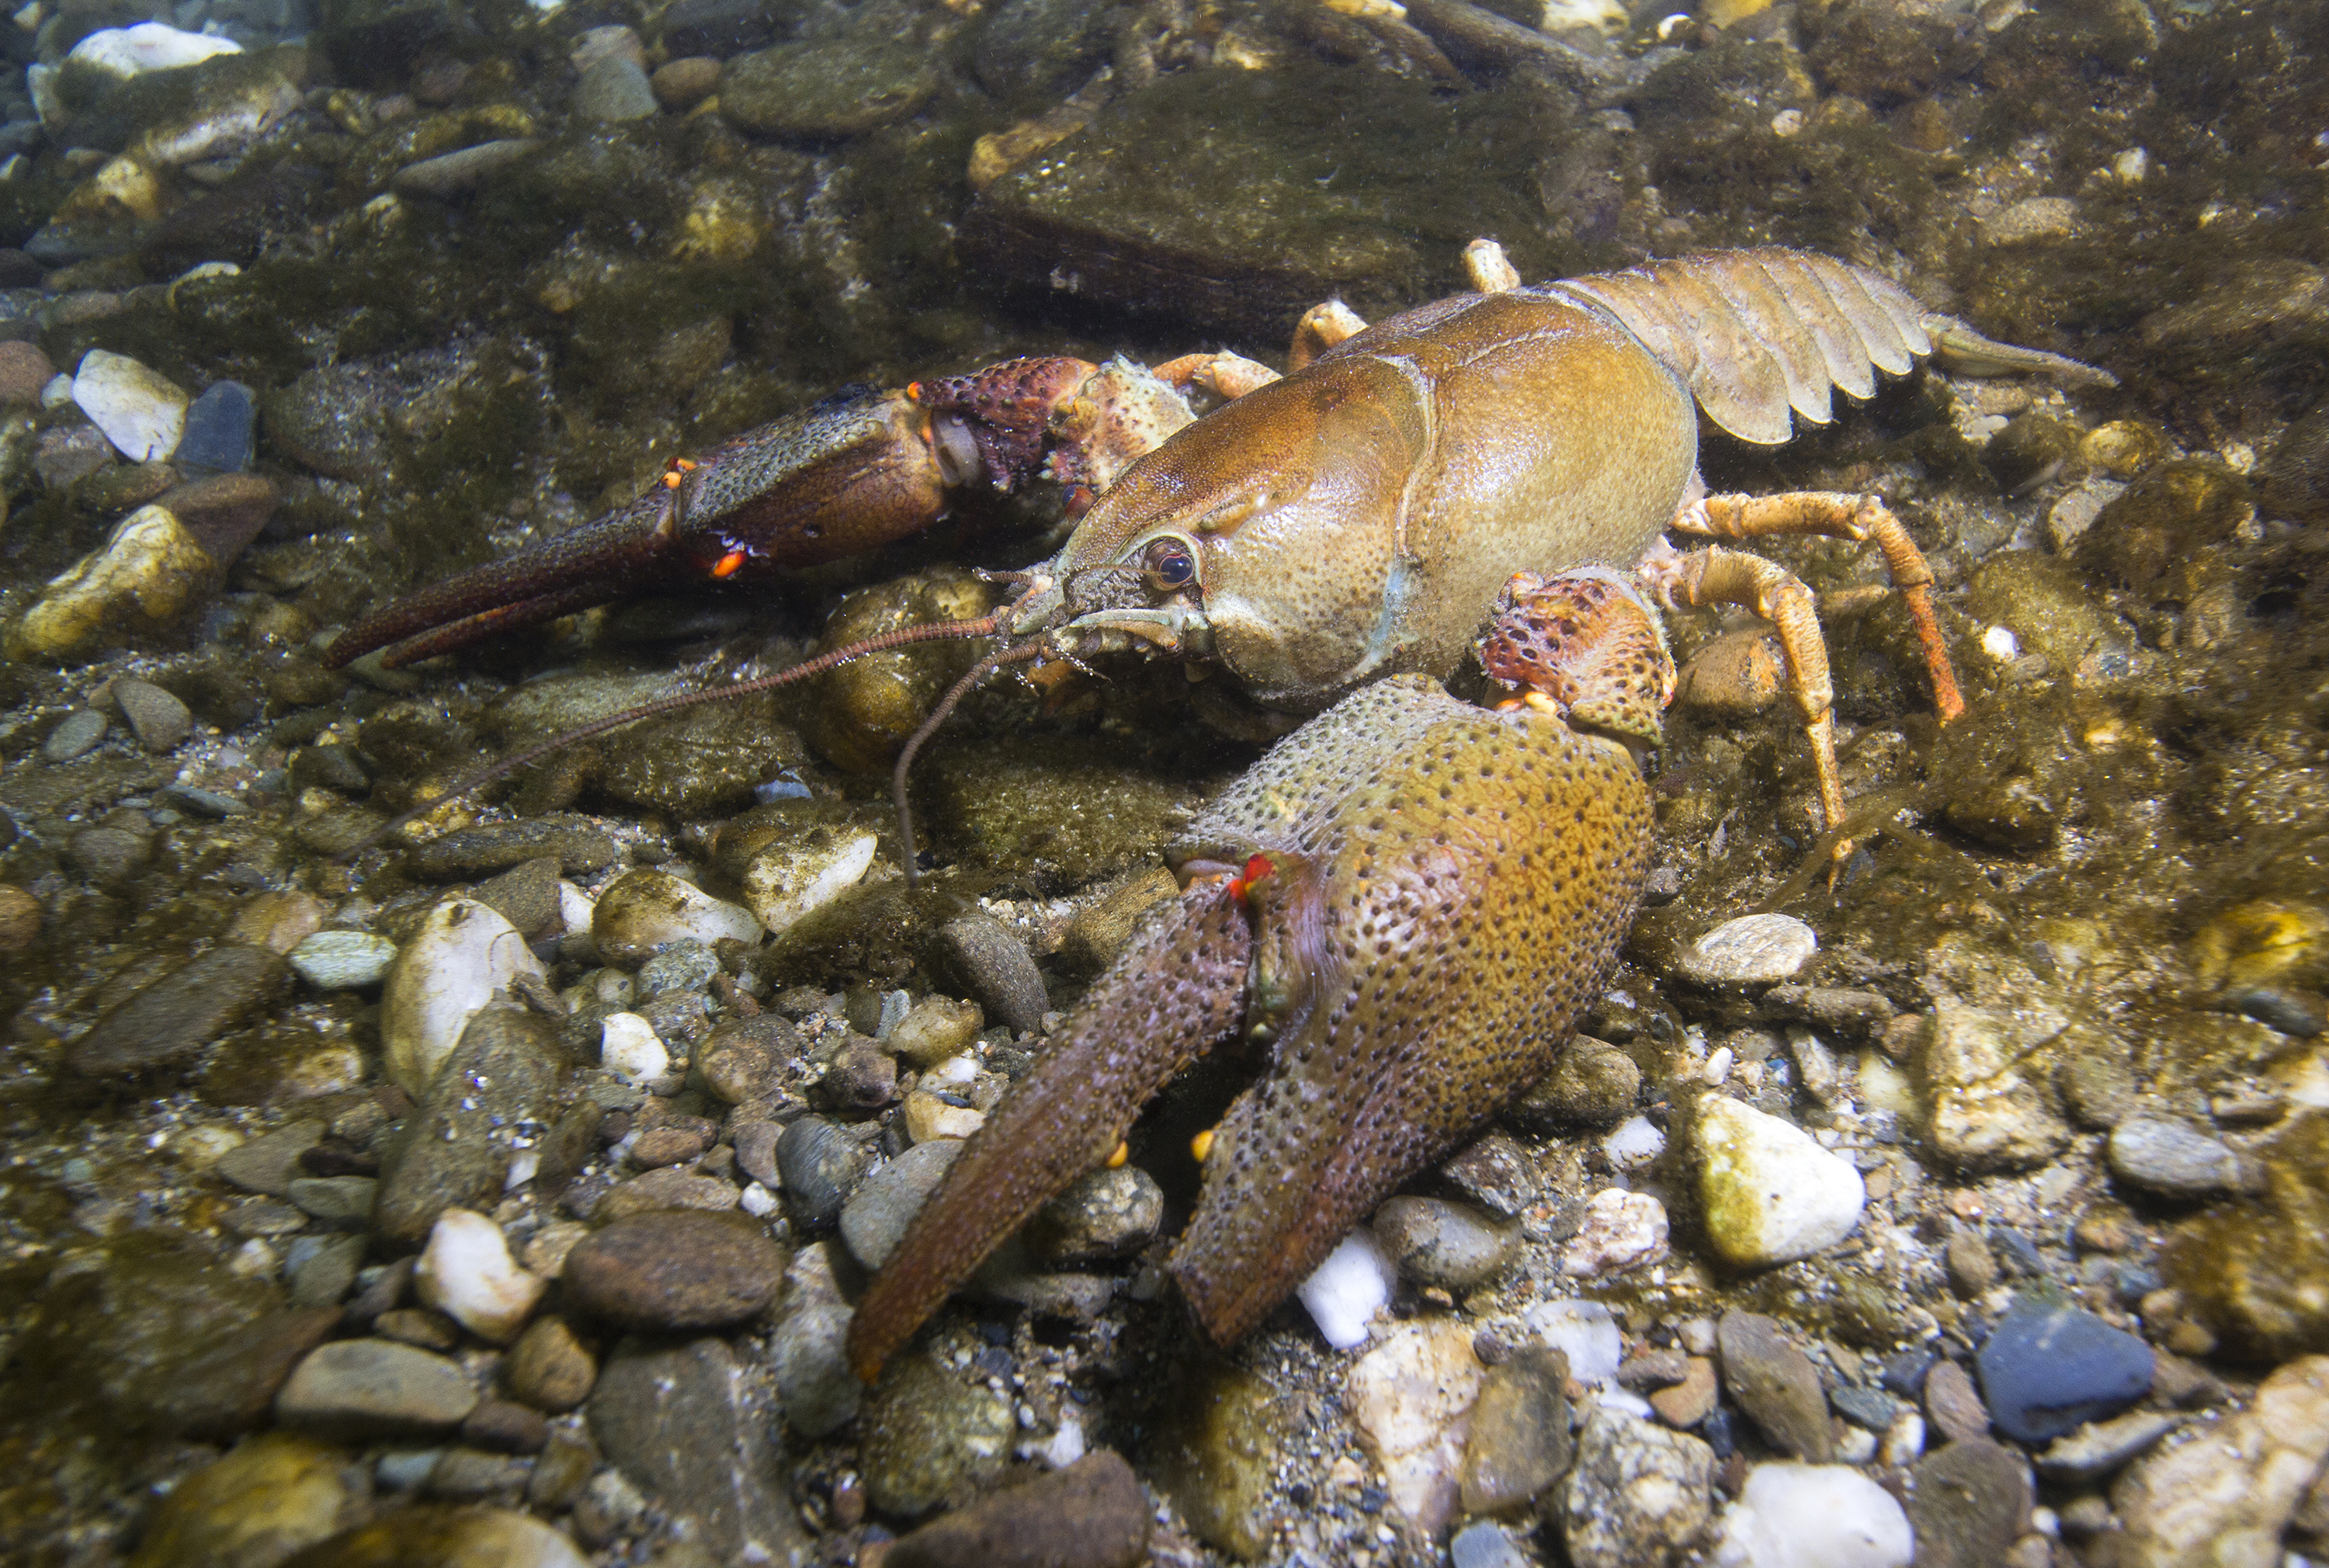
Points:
(76, 737)
(360, 1389)
(675, 1269)
(1752, 950)
(874, 1219)
(1772, 1194)
(1448, 1244)
(343, 960)
(158, 719)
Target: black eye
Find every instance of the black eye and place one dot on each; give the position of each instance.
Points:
(1169, 565)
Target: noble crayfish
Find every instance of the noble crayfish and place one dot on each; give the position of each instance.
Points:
(1335, 538)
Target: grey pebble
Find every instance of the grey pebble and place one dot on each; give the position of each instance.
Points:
(2176, 1161)
(454, 172)
(927, 1434)
(614, 88)
(343, 1200)
(997, 966)
(1483, 1544)
(2290, 1013)
(356, 1390)
(323, 1269)
(1775, 1384)
(218, 435)
(686, 965)
(202, 802)
(1103, 1213)
(181, 1012)
(1970, 1502)
(821, 1166)
(874, 1219)
(160, 720)
(674, 1419)
(78, 735)
(1752, 950)
(1448, 1244)
(267, 1164)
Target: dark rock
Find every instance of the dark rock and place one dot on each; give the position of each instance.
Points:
(821, 1166)
(270, 1163)
(825, 90)
(226, 1386)
(526, 895)
(457, 1146)
(717, 28)
(2046, 1369)
(1496, 1174)
(2097, 1089)
(874, 1219)
(995, 965)
(158, 719)
(549, 1368)
(1971, 1501)
(863, 1078)
(1775, 1384)
(480, 851)
(744, 1058)
(679, 1269)
(219, 426)
(1103, 1213)
(676, 1420)
(2290, 1012)
(499, 1426)
(1519, 1443)
(79, 734)
(375, 42)
(1870, 1407)
(1593, 1083)
(451, 173)
(1091, 1514)
(2296, 479)
(224, 512)
(183, 1011)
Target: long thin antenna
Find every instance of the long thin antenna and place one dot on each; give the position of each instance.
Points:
(986, 626)
(1016, 654)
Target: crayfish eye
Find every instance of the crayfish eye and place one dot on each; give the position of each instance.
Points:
(1169, 565)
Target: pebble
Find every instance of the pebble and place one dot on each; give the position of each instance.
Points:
(499, 1426)
(1217, 1455)
(467, 1273)
(1518, 1445)
(2173, 1160)
(825, 89)
(156, 717)
(2099, 1448)
(1634, 1144)
(1484, 1543)
(219, 424)
(1585, 1332)
(127, 51)
(456, 1152)
(673, 1418)
(1770, 1193)
(451, 173)
(1797, 1516)
(323, 1269)
(2036, 218)
(1686, 1404)
(629, 1047)
(1103, 1213)
(1638, 1496)
(343, 960)
(342, 1200)
(1775, 1384)
(927, 1434)
(359, 1390)
(797, 874)
(469, 853)
(1349, 1285)
(20, 919)
(680, 1269)
(1954, 1404)
(874, 1219)
(24, 371)
(1752, 950)
(1970, 1503)
(141, 412)
(863, 1078)
(717, 28)
(684, 82)
(809, 1346)
(1495, 1173)
(2227, 1496)
(1989, 1112)
(1408, 1397)
(1093, 1514)
(1448, 1245)
(928, 1116)
(1621, 1230)
(996, 966)
(821, 1166)
(148, 574)
(444, 976)
(644, 910)
(934, 1029)
(1972, 1266)
(471, 1538)
(670, 1187)
(273, 1495)
(77, 735)
(549, 1368)
(268, 1164)
(2047, 1369)
(615, 87)
(176, 1015)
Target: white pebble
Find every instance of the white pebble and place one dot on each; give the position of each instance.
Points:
(463, 952)
(1752, 950)
(573, 907)
(1347, 1290)
(643, 911)
(1584, 1331)
(758, 1201)
(127, 51)
(142, 412)
(467, 1273)
(629, 1048)
(1622, 1230)
(1792, 1516)
(1769, 1192)
(1634, 1143)
(343, 960)
(1067, 1444)
(2000, 644)
(795, 876)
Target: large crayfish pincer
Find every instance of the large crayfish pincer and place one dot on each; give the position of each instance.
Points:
(1405, 906)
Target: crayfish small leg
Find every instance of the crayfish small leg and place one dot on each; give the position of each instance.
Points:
(1322, 326)
(1860, 518)
(1178, 990)
(1715, 575)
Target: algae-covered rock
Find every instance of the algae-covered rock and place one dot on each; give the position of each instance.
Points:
(2257, 1272)
(1062, 810)
(868, 706)
(2051, 612)
(257, 1505)
(2172, 515)
(1217, 1453)
(926, 1436)
(825, 90)
(1989, 1105)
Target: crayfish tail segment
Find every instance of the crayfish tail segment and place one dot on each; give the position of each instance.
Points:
(1591, 643)
(1178, 990)
(1480, 870)
(581, 567)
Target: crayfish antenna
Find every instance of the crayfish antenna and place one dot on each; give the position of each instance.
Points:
(1017, 653)
(988, 625)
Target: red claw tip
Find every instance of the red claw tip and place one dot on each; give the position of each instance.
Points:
(1256, 868)
(727, 564)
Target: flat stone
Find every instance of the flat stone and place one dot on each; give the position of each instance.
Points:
(1752, 950)
(343, 960)
(1409, 1396)
(874, 1219)
(219, 424)
(257, 1505)
(2099, 1448)
(2046, 1370)
(821, 1166)
(1091, 1514)
(998, 968)
(363, 1389)
(676, 1421)
(1686, 1404)
(1518, 1445)
(79, 734)
(927, 1434)
(808, 1349)
(1451, 1245)
(458, 1141)
(614, 88)
(343, 1200)
(468, 853)
(2173, 1160)
(1952, 1404)
(141, 411)
(1775, 1384)
(675, 1269)
(668, 1188)
(824, 88)
(451, 173)
(2226, 1496)
(225, 1385)
(445, 1534)
(268, 1164)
